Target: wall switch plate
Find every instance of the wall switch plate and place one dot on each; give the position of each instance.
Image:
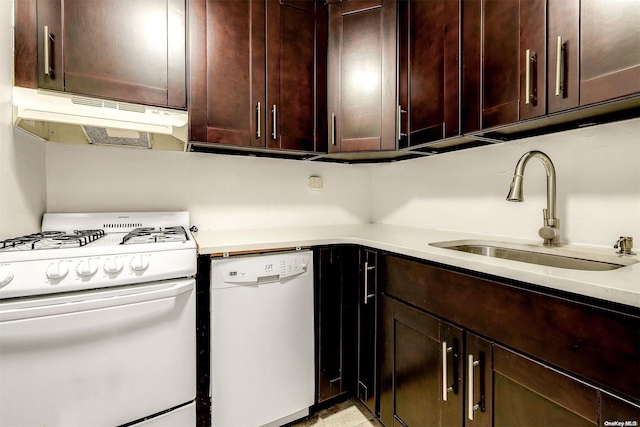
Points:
(315, 183)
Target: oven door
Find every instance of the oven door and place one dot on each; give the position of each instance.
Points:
(99, 358)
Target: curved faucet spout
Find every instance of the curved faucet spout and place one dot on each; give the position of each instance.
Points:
(551, 230)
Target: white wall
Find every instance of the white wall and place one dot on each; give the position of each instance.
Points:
(22, 157)
(598, 174)
(221, 192)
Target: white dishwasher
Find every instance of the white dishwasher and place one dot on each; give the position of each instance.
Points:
(262, 339)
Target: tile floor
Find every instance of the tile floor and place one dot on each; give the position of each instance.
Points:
(350, 413)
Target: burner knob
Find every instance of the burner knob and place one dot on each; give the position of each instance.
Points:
(87, 267)
(139, 263)
(5, 275)
(58, 270)
(113, 265)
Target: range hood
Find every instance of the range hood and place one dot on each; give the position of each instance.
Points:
(59, 107)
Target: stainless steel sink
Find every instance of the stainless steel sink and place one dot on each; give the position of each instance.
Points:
(541, 255)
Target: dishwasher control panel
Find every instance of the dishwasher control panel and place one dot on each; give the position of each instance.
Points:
(261, 268)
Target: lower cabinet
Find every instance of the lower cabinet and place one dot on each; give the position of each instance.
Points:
(426, 346)
(367, 329)
(336, 320)
(420, 381)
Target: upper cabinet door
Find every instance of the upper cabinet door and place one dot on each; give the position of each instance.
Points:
(295, 46)
(227, 78)
(132, 51)
(513, 61)
(429, 53)
(256, 73)
(610, 49)
(563, 47)
(505, 61)
(362, 75)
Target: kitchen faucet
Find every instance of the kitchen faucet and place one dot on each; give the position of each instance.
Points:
(550, 232)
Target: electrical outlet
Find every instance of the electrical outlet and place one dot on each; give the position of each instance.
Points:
(315, 183)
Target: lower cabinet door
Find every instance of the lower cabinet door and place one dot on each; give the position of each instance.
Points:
(420, 372)
(528, 393)
(367, 330)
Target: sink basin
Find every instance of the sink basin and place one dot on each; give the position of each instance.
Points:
(540, 255)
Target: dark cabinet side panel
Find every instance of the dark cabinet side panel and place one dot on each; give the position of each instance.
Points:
(25, 44)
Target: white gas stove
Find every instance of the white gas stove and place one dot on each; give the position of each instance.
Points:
(97, 322)
(89, 251)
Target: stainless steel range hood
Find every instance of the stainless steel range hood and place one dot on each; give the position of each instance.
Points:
(37, 105)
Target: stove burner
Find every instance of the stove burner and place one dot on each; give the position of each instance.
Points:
(51, 240)
(155, 235)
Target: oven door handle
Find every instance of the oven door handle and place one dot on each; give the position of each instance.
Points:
(94, 302)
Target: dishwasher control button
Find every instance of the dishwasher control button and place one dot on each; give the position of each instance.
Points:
(139, 263)
(87, 267)
(113, 265)
(58, 270)
(6, 275)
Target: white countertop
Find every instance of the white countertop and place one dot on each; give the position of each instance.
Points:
(620, 286)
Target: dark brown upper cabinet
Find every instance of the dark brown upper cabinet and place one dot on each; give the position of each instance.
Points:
(257, 73)
(429, 63)
(563, 47)
(504, 62)
(362, 76)
(610, 50)
(593, 52)
(117, 49)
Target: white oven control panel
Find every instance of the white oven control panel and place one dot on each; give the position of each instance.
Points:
(36, 277)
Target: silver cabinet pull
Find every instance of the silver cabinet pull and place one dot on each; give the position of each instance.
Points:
(367, 295)
(258, 124)
(471, 406)
(399, 126)
(48, 38)
(445, 388)
(529, 76)
(332, 129)
(560, 51)
(274, 132)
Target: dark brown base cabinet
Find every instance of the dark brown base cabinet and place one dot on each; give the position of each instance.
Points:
(368, 329)
(336, 290)
(462, 350)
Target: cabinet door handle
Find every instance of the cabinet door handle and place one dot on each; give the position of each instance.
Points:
(48, 38)
(471, 405)
(274, 123)
(445, 371)
(258, 124)
(560, 52)
(399, 120)
(531, 59)
(332, 129)
(367, 295)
